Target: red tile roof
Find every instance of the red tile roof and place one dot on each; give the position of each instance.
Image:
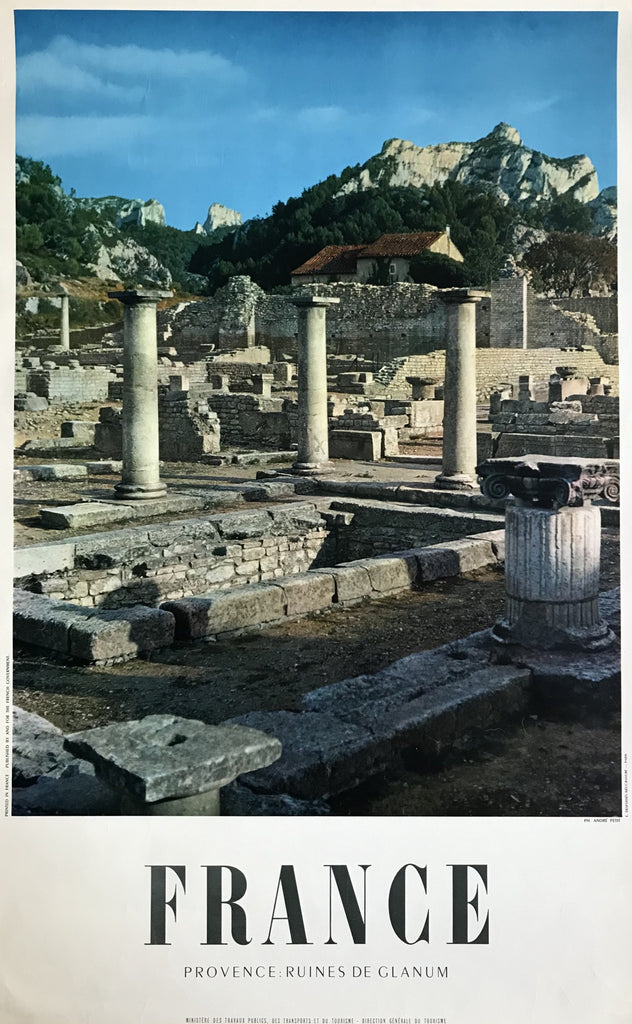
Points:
(333, 259)
(402, 245)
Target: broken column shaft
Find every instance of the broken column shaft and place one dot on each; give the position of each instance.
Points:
(141, 472)
(313, 438)
(459, 420)
(552, 551)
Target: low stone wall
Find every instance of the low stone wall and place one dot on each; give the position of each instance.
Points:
(71, 383)
(150, 564)
(252, 421)
(366, 529)
(100, 636)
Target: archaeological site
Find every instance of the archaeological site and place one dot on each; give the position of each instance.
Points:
(344, 546)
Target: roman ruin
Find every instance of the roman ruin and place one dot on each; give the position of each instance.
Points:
(343, 462)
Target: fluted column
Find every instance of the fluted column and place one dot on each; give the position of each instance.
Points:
(459, 417)
(552, 559)
(141, 468)
(552, 549)
(313, 434)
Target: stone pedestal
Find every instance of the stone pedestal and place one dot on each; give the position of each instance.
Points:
(165, 765)
(313, 441)
(424, 388)
(552, 552)
(141, 473)
(64, 339)
(459, 420)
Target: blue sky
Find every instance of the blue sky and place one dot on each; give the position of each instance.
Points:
(248, 108)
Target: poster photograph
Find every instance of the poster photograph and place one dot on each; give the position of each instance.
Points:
(315, 350)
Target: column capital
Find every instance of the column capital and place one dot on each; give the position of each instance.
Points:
(550, 481)
(307, 301)
(459, 295)
(137, 296)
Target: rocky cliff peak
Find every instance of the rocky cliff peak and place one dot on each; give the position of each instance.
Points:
(498, 162)
(220, 216)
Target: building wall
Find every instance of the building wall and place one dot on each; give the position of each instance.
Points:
(493, 369)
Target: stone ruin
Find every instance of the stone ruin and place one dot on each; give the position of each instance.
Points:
(577, 418)
(102, 597)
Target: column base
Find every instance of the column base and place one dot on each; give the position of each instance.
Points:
(540, 635)
(139, 492)
(456, 482)
(311, 468)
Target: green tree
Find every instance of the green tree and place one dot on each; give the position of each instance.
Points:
(571, 263)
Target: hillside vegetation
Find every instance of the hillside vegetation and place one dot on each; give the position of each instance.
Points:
(61, 237)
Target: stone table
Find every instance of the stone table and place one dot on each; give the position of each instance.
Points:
(163, 764)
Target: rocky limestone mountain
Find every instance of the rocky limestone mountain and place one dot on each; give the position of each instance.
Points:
(218, 217)
(499, 163)
(120, 259)
(604, 209)
(125, 211)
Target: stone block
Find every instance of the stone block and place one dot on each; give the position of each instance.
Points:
(125, 633)
(390, 572)
(352, 582)
(38, 748)
(29, 402)
(273, 490)
(59, 472)
(442, 717)
(83, 514)
(81, 430)
(167, 758)
(109, 466)
(437, 563)
(42, 621)
(364, 445)
(471, 553)
(322, 755)
(226, 610)
(497, 541)
(42, 558)
(308, 592)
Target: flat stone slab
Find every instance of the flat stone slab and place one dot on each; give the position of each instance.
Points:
(51, 444)
(29, 474)
(164, 757)
(84, 514)
(108, 466)
(274, 489)
(99, 513)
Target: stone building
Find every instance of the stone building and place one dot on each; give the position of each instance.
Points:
(361, 262)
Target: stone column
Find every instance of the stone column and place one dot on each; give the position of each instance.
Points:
(552, 551)
(141, 473)
(64, 339)
(313, 439)
(459, 418)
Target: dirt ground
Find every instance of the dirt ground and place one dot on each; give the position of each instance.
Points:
(539, 768)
